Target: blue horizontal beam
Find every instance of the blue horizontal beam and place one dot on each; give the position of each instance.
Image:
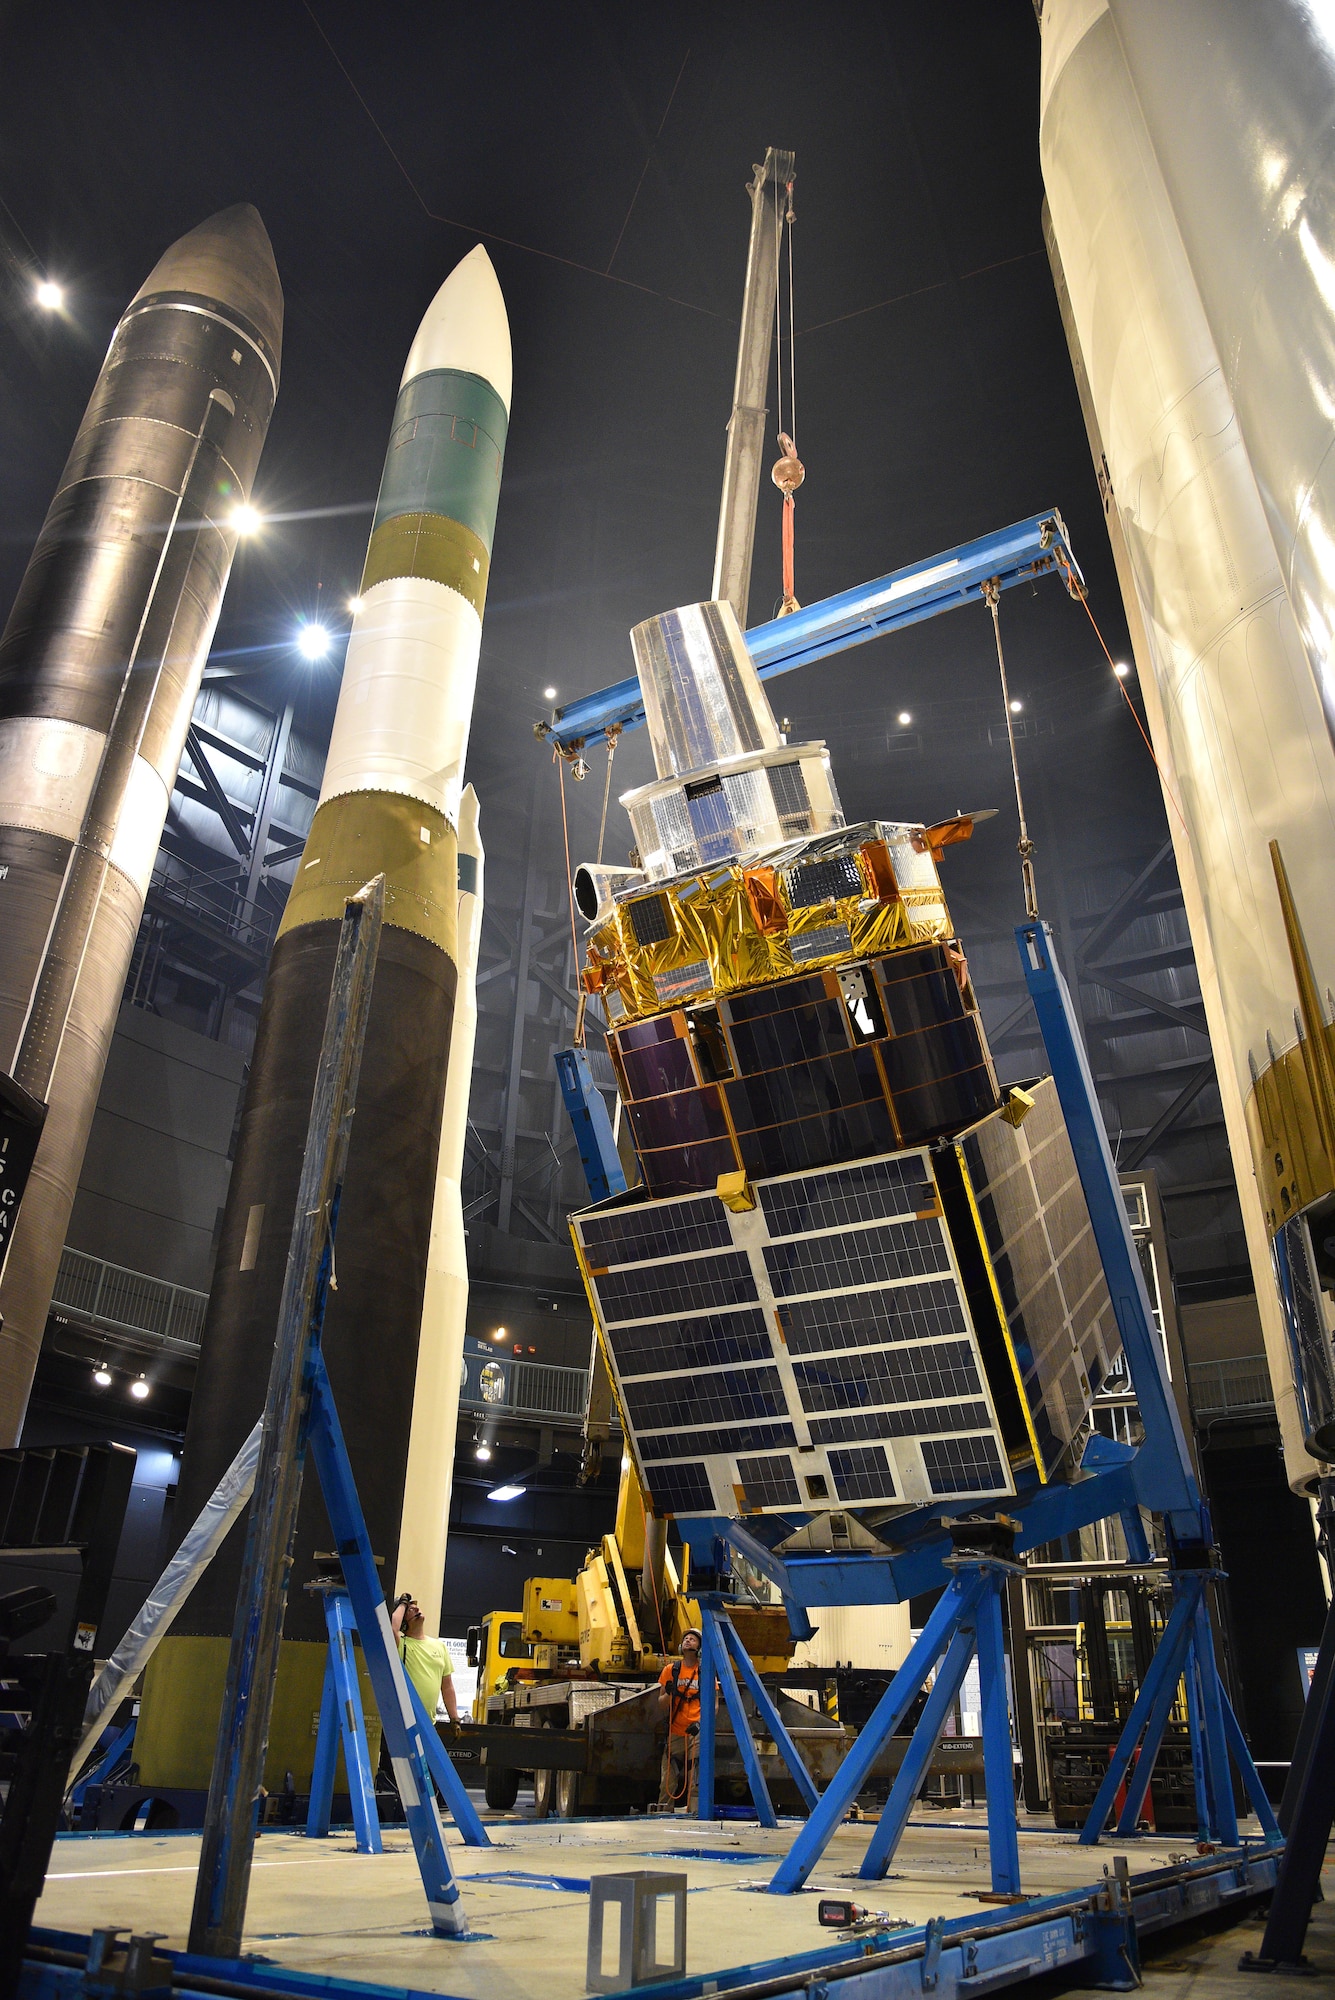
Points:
(1012, 555)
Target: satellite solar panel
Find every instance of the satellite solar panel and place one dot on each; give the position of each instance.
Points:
(715, 1340)
(1049, 1276)
(872, 1191)
(837, 1322)
(644, 1291)
(635, 1235)
(921, 1420)
(768, 1482)
(867, 1256)
(704, 1398)
(962, 1465)
(681, 1489)
(919, 1311)
(904, 1375)
(738, 1437)
(863, 1475)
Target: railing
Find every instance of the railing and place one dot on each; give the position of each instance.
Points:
(1232, 1387)
(196, 892)
(124, 1301)
(533, 1389)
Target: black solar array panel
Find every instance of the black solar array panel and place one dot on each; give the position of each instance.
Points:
(1041, 1244)
(820, 1342)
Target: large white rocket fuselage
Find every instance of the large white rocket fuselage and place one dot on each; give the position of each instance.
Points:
(435, 1419)
(1233, 707)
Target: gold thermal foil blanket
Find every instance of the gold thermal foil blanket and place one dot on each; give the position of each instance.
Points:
(1292, 1168)
(716, 944)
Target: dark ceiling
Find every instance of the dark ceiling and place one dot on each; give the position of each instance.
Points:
(602, 154)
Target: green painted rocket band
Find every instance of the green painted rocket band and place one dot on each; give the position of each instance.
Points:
(445, 452)
(360, 834)
(431, 546)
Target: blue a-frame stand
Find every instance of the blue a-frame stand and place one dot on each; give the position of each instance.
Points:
(343, 1724)
(722, 1658)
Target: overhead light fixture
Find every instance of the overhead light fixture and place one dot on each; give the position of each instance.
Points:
(499, 1333)
(247, 520)
(508, 1492)
(904, 718)
(1122, 670)
(354, 605)
(50, 297)
(549, 694)
(102, 1376)
(1016, 706)
(312, 642)
(139, 1389)
(482, 1452)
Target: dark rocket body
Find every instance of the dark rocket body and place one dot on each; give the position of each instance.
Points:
(201, 341)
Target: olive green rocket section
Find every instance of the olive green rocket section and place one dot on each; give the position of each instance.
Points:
(373, 1318)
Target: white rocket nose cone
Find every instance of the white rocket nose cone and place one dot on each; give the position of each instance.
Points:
(466, 327)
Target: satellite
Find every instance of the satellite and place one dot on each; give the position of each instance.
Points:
(856, 1274)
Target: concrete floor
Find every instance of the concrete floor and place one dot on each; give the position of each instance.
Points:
(322, 1907)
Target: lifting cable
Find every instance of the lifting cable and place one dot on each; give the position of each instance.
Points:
(560, 761)
(612, 732)
(991, 593)
(788, 471)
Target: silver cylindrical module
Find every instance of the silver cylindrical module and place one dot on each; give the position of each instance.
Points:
(1234, 712)
(429, 1478)
(1239, 102)
(203, 333)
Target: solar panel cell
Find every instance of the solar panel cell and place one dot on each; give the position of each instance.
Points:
(653, 1290)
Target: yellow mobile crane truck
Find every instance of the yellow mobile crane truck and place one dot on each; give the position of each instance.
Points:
(577, 1672)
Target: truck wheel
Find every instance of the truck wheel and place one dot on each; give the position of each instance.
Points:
(500, 1788)
(544, 1789)
(567, 1794)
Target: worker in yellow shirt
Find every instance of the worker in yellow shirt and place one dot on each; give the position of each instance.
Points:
(426, 1661)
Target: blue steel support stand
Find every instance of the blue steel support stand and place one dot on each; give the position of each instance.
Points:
(415, 1750)
(966, 1620)
(341, 1719)
(722, 1658)
(342, 1722)
(1164, 1479)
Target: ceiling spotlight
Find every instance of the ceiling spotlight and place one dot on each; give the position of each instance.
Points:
(511, 1492)
(482, 1453)
(139, 1389)
(1121, 670)
(247, 520)
(1016, 706)
(549, 694)
(904, 718)
(102, 1376)
(312, 642)
(499, 1334)
(48, 296)
(354, 605)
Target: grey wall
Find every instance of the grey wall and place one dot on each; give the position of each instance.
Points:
(157, 1164)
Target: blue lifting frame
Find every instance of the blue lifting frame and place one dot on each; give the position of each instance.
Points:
(587, 1112)
(1019, 554)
